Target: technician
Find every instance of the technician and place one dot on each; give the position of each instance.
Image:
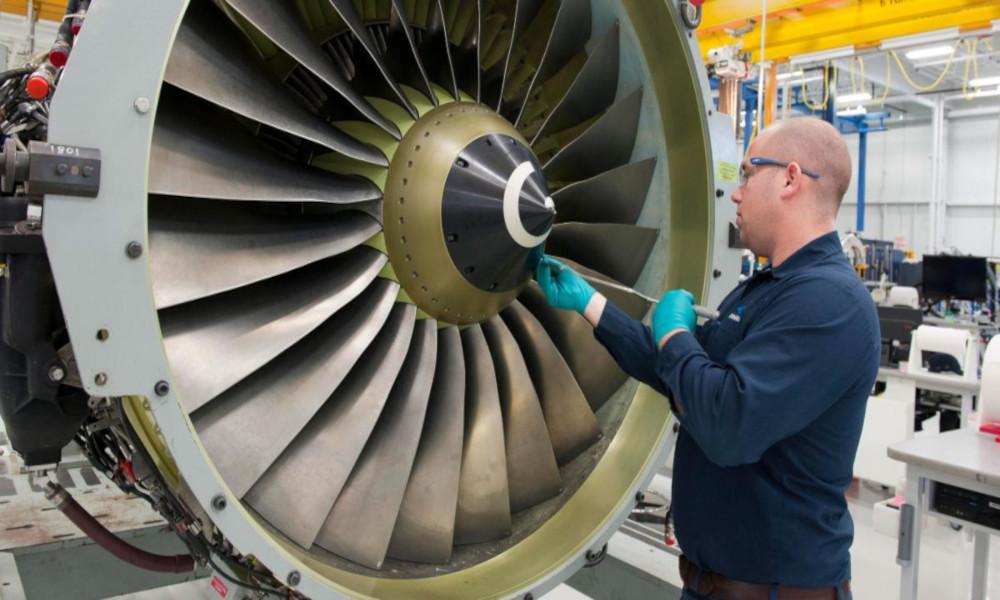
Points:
(771, 396)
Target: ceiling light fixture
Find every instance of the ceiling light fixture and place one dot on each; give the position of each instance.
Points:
(854, 98)
(921, 39)
(931, 52)
(857, 111)
(985, 82)
(986, 93)
(790, 74)
(823, 56)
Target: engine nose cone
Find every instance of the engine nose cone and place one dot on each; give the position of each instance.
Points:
(495, 211)
(466, 202)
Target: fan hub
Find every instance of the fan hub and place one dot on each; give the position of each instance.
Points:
(466, 203)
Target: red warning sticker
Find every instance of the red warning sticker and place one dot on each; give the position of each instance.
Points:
(220, 587)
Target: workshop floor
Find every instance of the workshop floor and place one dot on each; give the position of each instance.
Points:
(946, 560)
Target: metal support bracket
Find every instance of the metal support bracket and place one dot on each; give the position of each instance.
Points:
(47, 168)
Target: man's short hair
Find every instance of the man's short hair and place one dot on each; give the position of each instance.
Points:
(818, 147)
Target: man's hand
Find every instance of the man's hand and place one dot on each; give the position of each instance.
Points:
(674, 313)
(563, 288)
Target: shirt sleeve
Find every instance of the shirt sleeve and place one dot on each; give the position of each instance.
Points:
(631, 344)
(799, 356)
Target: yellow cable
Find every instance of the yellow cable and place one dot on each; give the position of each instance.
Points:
(965, 73)
(975, 58)
(936, 83)
(888, 80)
(826, 89)
(854, 83)
(861, 66)
(753, 133)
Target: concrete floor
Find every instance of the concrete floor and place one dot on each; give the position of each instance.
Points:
(946, 563)
(639, 567)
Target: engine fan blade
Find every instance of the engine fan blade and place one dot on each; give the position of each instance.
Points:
(196, 156)
(524, 12)
(361, 523)
(198, 248)
(435, 51)
(594, 369)
(592, 91)
(568, 417)
(208, 62)
(618, 251)
(467, 55)
(215, 343)
(532, 471)
(615, 196)
(347, 11)
(403, 56)
(606, 144)
(483, 498)
(279, 23)
(425, 528)
(248, 427)
(568, 37)
(296, 494)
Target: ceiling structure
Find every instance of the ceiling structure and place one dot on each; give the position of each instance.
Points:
(879, 47)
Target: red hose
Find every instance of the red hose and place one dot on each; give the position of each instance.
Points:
(181, 563)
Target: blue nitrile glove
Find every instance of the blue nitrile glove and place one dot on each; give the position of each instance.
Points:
(675, 311)
(563, 288)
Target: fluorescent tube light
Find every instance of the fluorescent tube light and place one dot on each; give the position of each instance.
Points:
(985, 82)
(853, 112)
(854, 98)
(783, 76)
(823, 55)
(932, 52)
(921, 39)
(986, 93)
(809, 79)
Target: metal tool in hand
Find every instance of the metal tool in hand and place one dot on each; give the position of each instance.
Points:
(702, 311)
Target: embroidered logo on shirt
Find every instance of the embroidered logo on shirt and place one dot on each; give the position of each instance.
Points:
(734, 317)
(737, 315)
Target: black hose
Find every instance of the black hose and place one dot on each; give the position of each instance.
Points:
(181, 563)
(11, 73)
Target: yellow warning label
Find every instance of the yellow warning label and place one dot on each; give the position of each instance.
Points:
(728, 172)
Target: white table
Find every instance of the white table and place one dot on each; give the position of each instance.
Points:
(963, 458)
(938, 382)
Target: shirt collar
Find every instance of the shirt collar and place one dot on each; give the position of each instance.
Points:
(820, 248)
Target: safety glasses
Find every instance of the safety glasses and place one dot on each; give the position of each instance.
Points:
(760, 161)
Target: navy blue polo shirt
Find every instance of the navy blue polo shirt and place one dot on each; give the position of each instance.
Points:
(771, 400)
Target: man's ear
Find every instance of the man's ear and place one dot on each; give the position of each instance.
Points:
(793, 181)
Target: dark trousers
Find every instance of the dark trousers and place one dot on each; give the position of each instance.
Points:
(717, 587)
(689, 595)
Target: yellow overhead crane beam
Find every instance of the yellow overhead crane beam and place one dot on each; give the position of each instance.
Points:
(47, 10)
(718, 15)
(801, 27)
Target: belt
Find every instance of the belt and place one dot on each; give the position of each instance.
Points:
(719, 587)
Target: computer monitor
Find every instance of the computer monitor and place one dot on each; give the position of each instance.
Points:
(954, 277)
(897, 324)
(910, 274)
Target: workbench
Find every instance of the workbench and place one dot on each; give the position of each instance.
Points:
(964, 458)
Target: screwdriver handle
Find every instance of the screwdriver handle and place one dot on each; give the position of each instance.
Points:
(706, 312)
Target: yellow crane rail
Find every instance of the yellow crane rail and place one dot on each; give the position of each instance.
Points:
(800, 27)
(47, 10)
